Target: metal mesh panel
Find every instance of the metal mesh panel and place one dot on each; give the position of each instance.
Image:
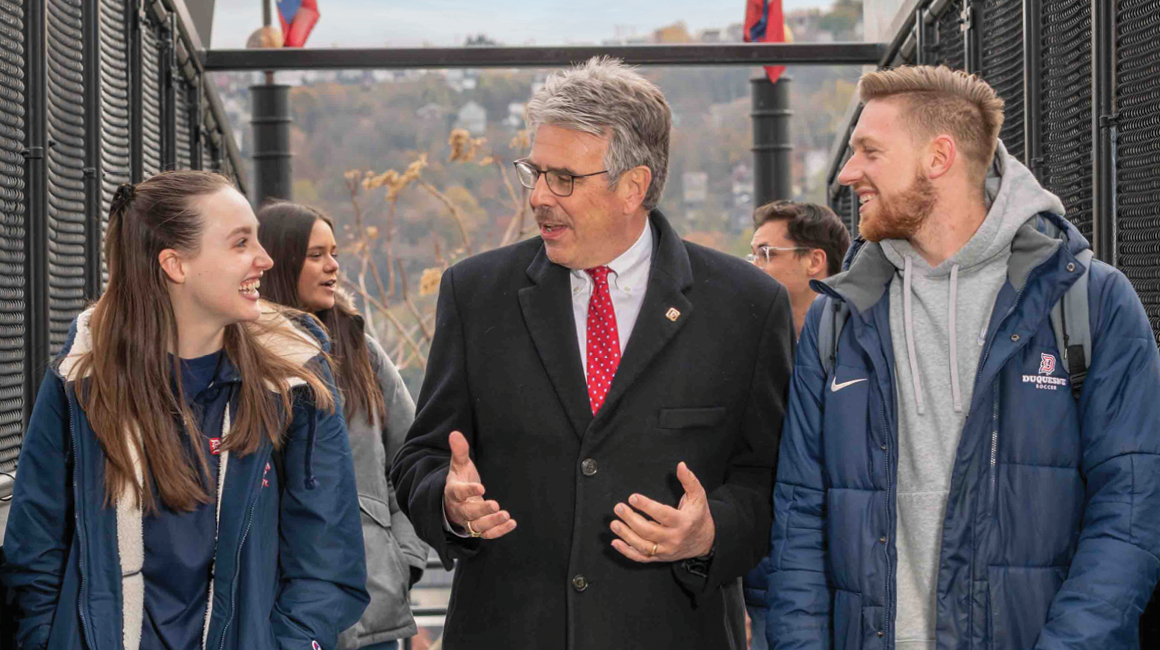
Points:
(843, 204)
(66, 162)
(151, 101)
(115, 159)
(1065, 89)
(944, 38)
(12, 231)
(1002, 39)
(184, 146)
(1138, 153)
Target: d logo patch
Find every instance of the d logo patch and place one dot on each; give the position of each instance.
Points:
(1046, 363)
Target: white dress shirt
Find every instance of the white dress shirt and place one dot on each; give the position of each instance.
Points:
(626, 286)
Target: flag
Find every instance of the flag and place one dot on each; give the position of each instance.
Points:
(765, 23)
(298, 18)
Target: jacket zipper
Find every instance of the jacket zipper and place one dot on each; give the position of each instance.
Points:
(890, 498)
(79, 530)
(238, 565)
(994, 440)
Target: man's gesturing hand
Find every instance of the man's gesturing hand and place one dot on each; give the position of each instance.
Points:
(463, 496)
(667, 534)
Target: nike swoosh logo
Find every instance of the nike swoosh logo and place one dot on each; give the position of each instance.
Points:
(835, 386)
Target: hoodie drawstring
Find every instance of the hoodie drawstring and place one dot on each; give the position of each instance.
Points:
(908, 325)
(956, 394)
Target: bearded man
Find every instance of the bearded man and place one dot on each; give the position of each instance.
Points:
(938, 483)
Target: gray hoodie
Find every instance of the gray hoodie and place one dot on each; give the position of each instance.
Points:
(938, 323)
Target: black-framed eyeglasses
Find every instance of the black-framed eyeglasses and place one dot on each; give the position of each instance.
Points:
(559, 183)
(767, 253)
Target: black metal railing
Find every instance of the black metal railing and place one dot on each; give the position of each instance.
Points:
(93, 93)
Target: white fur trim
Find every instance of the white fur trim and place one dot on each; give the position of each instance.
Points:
(278, 334)
(82, 343)
(131, 550)
(223, 463)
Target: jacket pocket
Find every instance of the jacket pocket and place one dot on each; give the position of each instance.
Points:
(388, 580)
(1020, 598)
(847, 620)
(693, 418)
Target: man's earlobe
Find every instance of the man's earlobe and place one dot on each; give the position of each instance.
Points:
(171, 264)
(636, 183)
(943, 152)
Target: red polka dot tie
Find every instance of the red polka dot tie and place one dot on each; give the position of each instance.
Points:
(603, 339)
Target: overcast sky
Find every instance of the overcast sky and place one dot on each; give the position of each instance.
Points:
(405, 23)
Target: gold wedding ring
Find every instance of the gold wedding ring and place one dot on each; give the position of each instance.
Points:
(471, 531)
(654, 550)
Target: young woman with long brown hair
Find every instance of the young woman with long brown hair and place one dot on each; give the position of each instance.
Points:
(378, 412)
(146, 514)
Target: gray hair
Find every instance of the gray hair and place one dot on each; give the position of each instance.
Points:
(604, 97)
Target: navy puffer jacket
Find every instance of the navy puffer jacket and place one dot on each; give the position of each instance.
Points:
(1052, 525)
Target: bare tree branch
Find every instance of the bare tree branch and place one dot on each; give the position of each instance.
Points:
(411, 305)
(456, 213)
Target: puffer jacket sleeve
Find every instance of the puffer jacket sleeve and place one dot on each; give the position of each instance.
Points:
(1115, 566)
(39, 528)
(798, 593)
(321, 555)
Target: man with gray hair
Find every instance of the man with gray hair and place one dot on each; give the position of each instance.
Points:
(618, 391)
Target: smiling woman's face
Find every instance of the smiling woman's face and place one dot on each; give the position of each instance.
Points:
(319, 278)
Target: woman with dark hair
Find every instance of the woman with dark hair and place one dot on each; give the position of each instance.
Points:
(378, 412)
(145, 514)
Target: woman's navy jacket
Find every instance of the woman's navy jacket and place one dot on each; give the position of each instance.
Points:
(289, 570)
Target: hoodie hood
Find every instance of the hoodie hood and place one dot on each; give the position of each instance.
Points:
(1014, 197)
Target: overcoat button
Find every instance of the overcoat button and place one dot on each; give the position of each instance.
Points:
(579, 583)
(588, 467)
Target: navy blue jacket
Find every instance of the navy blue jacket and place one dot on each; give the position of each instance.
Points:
(1052, 525)
(290, 568)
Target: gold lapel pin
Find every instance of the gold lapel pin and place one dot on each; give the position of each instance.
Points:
(672, 314)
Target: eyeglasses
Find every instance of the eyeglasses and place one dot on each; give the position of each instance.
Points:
(559, 183)
(767, 253)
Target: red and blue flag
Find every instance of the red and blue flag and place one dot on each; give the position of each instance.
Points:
(298, 18)
(765, 23)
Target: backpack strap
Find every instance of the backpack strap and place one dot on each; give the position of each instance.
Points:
(834, 315)
(1071, 321)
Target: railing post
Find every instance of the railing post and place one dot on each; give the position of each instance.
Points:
(1032, 60)
(36, 315)
(1104, 130)
(772, 177)
(92, 173)
(168, 82)
(134, 16)
(271, 127)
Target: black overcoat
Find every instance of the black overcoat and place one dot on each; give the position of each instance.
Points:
(703, 380)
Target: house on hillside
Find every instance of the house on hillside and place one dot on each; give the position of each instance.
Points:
(472, 117)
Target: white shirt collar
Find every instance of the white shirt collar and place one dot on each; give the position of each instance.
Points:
(630, 269)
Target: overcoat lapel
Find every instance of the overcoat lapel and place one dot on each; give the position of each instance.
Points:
(664, 312)
(547, 307)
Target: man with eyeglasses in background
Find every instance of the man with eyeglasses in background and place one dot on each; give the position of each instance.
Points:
(793, 243)
(617, 390)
